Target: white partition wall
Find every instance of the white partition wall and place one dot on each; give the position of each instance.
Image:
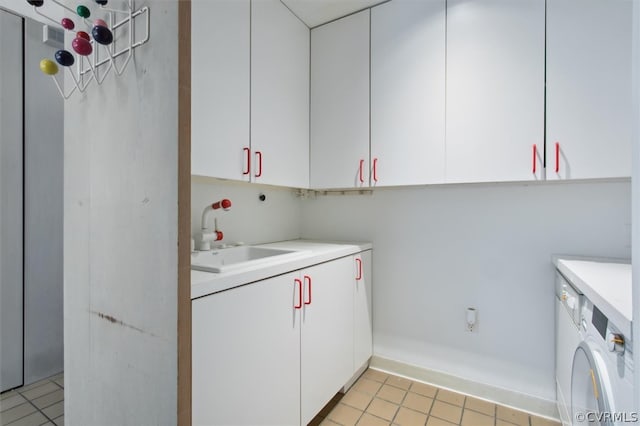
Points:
(10, 201)
(120, 239)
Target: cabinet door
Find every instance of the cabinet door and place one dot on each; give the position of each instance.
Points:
(340, 103)
(589, 102)
(327, 333)
(408, 92)
(495, 89)
(220, 77)
(246, 355)
(362, 310)
(279, 95)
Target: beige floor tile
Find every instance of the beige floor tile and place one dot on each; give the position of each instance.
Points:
(39, 391)
(500, 422)
(17, 412)
(344, 415)
(367, 386)
(59, 421)
(376, 375)
(480, 406)
(382, 409)
(391, 394)
(325, 422)
(59, 382)
(33, 385)
(417, 402)
(12, 401)
(399, 382)
(511, 415)
(407, 417)
(55, 410)
(8, 394)
(424, 389)
(357, 399)
(448, 412)
(450, 397)
(473, 418)
(57, 376)
(33, 419)
(539, 421)
(369, 420)
(49, 399)
(434, 421)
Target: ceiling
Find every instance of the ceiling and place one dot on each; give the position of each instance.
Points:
(317, 12)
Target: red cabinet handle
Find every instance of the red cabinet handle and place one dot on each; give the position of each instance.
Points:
(557, 157)
(308, 278)
(359, 262)
(259, 155)
(360, 171)
(535, 154)
(375, 169)
(299, 305)
(248, 152)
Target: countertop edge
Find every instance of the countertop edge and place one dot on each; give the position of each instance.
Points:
(318, 252)
(618, 318)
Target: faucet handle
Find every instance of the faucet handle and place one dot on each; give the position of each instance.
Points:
(224, 204)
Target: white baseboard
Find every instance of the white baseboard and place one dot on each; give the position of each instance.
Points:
(531, 404)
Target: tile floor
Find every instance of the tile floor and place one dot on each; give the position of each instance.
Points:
(41, 403)
(378, 398)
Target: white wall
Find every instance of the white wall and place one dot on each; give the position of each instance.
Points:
(43, 147)
(635, 273)
(23, 8)
(120, 238)
(440, 249)
(250, 220)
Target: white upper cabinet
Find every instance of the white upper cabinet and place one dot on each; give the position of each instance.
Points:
(220, 78)
(250, 103)
(279, 95)
(340, 103)
(495, 90)
(408, 92)
(589, 102)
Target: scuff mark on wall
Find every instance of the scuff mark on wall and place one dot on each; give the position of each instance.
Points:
(114, 320)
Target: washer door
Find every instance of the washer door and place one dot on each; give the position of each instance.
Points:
(590, 390)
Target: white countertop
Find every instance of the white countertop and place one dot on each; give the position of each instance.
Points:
(204, 283)
(606, 284)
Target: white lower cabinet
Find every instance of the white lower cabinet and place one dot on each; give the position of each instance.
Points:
(276, 351)
(327, 333)
(246, 355)
(362, 310)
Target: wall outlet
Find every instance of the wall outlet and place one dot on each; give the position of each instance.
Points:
(471, 319)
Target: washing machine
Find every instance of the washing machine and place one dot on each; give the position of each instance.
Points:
(594, 360)
(602, 372)
(569, 302)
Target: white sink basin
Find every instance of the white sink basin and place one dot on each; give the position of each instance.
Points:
(227, 259)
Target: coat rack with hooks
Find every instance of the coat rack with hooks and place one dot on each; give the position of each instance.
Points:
(96, 52)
